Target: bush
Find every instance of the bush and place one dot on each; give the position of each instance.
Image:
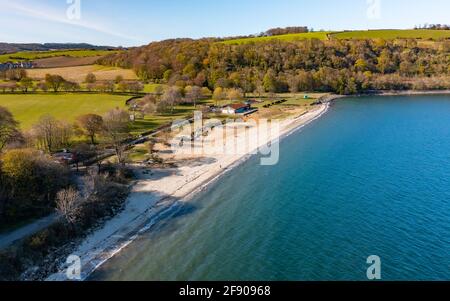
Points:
(40, 255)
(30, 182)
(9, 267)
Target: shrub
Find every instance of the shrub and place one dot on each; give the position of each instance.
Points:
(30, 181)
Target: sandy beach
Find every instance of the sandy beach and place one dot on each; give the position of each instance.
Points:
(158, 190)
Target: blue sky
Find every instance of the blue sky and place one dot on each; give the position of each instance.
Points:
(137, 22)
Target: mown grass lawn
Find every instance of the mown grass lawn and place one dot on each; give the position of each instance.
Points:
(28, 108)
(153, 122)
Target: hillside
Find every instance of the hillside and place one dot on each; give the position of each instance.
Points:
(15, 47)
(289, 63)
(78, 73)
(36, 55)
(387, 34)
(321, 35)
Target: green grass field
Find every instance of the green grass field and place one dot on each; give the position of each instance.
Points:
(151, 88)
(387, 34)
(394, 34)
(287, 37)
(153, 122)
(35, 55)
(27, 109)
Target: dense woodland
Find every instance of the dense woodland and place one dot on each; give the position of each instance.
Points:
(340, 66)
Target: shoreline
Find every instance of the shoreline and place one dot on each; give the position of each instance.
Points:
(404, 93)
(157, 195)
(333, 97)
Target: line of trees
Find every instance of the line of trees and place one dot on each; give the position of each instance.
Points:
(434, 27)
(287, 30)
(18, 80)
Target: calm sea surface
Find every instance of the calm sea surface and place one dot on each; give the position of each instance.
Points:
(371, 177)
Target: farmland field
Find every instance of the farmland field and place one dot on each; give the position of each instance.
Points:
(393, 34)
(387, 34)
(65, 61)
(27, 109)
(78, 73)
(322, 35)
(35, 55)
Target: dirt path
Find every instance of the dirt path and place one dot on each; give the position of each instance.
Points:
(7, 239)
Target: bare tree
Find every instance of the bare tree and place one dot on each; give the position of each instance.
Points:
(172, 96)
(135, 86)
(50, 134)
(68, 204)
(260, 90)
(193, 94)
(46, 132)
(147, 105)
(149, 108)
(116, 130)
(293, 83)
(64, 133)
(234, 94)
(151, 146)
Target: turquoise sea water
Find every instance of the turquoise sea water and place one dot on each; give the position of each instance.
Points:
(371, 177)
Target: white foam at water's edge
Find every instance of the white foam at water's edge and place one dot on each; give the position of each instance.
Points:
(107, 252)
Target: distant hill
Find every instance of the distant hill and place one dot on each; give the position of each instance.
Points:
(13, 47)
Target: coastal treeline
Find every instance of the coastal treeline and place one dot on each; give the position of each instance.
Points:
(340, 66)
(13, 80)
